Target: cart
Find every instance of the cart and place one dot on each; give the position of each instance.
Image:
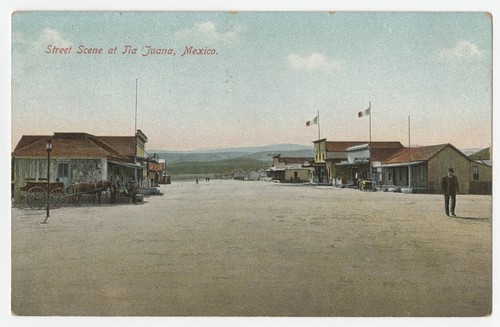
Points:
(366, 185)
(34, 195)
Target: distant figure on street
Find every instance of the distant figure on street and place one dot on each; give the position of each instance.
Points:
(196, 180)
(449, 187)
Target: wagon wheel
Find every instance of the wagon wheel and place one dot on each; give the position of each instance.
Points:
(58, 198)
(36, 197)
(19, 198)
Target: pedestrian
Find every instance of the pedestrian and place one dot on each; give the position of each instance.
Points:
(449, 187)
(196, 180)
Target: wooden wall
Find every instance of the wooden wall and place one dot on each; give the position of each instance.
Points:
(449, 157)
(35, 169)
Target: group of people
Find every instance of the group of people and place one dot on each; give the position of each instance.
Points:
(207, 179)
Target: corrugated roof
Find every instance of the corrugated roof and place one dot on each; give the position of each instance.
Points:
(76, 145)
(421, 153)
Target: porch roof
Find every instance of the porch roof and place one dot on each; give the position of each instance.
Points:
(353, 164)
(400, 164)
(125, 164)
(278, 170)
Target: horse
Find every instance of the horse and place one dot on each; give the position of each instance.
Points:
(91, 188)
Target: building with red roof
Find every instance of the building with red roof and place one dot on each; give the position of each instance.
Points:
(330, 156)
(420, 169)
(80, 157)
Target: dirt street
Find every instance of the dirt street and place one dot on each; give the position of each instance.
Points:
(234, 248)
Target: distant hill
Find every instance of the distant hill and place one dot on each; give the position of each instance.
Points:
(215, 167)
(183, 157)
(264, 148)
(264, 153)
(226, 160)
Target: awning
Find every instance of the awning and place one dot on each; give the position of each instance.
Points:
(401, 164)
(126, 164)
(353, 164)
(276, 169)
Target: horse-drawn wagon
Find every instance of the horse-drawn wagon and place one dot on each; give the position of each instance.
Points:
(35, 193)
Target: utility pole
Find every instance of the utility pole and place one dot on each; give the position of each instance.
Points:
(135, 133)
(409, 155)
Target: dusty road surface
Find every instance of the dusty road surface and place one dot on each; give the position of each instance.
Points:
(233, 248)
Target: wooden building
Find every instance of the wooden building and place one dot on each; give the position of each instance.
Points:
(291, 169)
(80, 157)
(257, 175)
(326, 155)
(156, 172)
(361, 160)
(331, 159)
(238, 174)
(420, 169)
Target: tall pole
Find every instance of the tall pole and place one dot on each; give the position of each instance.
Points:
(319, 133)
(135, 133)
(370, 121)
(409, 154)
(370, 167)
(135, 121)
(48, 184)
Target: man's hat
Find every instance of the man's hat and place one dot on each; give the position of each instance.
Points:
(451, 170)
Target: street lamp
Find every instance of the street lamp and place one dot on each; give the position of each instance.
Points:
(48, 147)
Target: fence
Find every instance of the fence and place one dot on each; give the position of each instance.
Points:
(477, 187)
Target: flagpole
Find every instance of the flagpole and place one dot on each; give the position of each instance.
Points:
(319, 133)
(135, 121)
(370, 121)
(409, 155)
(135, 133)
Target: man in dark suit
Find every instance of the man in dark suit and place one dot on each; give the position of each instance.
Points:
(449, 187)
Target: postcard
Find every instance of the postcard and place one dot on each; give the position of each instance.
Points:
(251, 163)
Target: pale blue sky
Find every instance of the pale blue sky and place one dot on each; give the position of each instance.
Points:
(272, 73)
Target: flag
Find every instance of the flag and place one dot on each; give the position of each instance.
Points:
(364, 113)
(313, 122)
